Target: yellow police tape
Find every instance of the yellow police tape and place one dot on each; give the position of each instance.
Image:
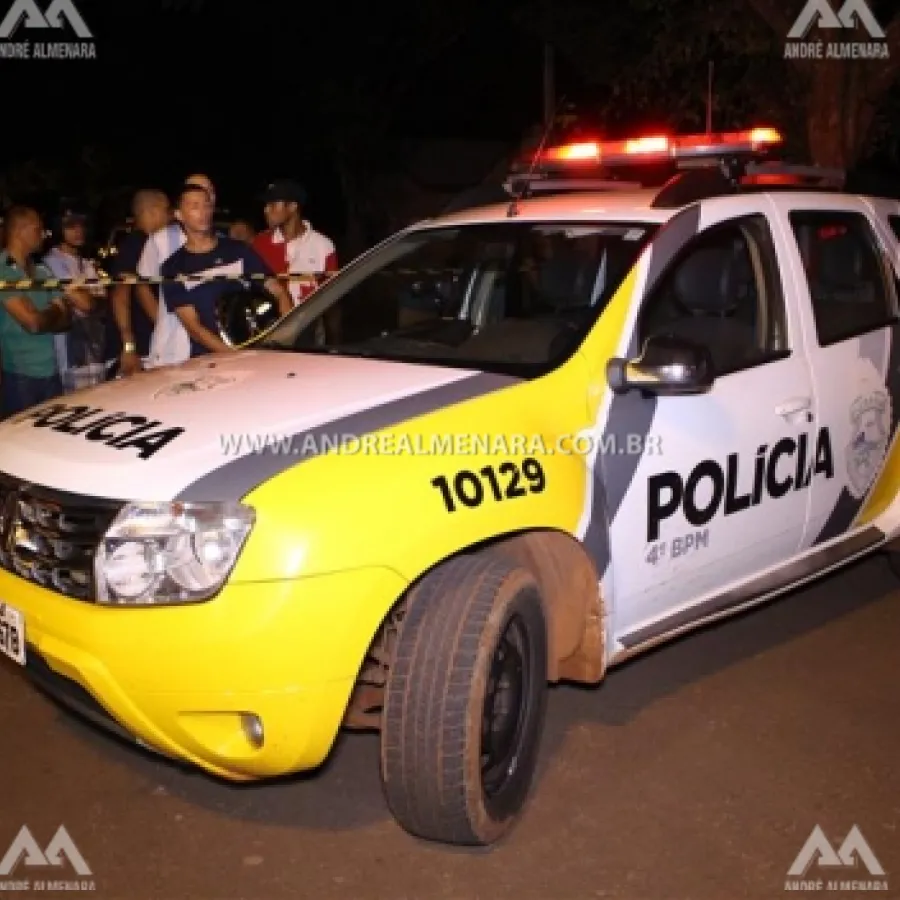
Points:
(51, 284)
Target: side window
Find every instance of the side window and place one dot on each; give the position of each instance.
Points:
(847, 274)
(724, 293)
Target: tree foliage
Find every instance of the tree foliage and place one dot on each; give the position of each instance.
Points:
(29, 179)
(647, 62)
(387, 49)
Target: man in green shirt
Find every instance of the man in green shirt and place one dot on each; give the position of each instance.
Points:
(29, 319)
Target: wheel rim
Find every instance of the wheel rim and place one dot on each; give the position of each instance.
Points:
(506, 707)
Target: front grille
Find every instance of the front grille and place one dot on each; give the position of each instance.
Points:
(50, 537)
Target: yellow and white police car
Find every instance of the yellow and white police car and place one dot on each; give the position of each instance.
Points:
(513, 446)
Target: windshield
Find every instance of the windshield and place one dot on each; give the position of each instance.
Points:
(514, 297)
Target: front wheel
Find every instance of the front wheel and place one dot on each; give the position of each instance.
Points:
(465, 699)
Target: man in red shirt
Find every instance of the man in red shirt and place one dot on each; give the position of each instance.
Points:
(291, 244)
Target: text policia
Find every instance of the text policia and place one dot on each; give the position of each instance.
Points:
(312, 444)
(789, 465)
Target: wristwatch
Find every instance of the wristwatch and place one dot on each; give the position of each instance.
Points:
(129, 347)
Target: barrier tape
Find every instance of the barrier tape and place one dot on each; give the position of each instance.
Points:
(48, 284)
(309, 278)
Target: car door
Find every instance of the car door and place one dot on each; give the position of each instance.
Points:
(846, 279)
(724, 496)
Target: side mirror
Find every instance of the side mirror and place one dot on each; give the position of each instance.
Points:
(243, 314)
(669, 366)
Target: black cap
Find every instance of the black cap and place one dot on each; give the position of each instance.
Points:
(72, 216)
(286, 191)
(66, 217)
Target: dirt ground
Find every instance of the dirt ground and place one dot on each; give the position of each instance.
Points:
(696, 772)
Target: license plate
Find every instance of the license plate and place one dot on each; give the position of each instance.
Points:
(12, 634)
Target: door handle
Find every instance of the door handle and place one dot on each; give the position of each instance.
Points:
(794, 407)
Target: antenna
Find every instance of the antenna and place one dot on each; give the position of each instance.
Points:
(709, 98)
(513, 209)
(549, 84)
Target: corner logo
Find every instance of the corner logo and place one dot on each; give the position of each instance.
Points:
(26, 15)
(820, 14)
(56, 12)
(819, 851)
(26, 852)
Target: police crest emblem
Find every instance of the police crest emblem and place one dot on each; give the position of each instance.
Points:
(196, 386)
(870, 418)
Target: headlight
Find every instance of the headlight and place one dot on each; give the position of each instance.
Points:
(169, 553)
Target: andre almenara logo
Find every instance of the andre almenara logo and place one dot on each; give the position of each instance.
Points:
(26, 27)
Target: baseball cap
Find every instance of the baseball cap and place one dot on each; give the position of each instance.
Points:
(72, 216)
(284, 190)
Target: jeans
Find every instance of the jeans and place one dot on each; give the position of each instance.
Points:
(20, 392)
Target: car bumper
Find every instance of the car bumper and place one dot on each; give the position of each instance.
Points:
(181, 680)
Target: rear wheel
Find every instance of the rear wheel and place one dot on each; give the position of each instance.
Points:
(465, 700)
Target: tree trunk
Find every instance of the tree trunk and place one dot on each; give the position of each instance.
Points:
(840, 112)
(843, 95)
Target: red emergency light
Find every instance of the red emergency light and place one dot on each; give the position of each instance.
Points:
(660, 148)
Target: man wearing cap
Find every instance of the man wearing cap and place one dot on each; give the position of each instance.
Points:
(80, 351)
(291, 244)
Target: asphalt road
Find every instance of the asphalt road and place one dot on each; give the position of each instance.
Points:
(696, 772)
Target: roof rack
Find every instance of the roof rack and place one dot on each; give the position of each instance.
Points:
(815, 175)
(702, 180)
(525, 185)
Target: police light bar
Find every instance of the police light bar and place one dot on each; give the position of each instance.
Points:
(661, 148)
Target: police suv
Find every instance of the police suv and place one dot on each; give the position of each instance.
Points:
(515, 445)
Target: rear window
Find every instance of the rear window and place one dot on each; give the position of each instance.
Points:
(847, 274)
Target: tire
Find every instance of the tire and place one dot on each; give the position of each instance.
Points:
(457, 620)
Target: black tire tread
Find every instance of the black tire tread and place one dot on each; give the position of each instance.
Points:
(424, 729)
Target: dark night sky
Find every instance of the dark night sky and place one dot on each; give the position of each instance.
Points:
(234, 89)
(232, 94)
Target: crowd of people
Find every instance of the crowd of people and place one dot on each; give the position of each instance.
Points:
(54, 342)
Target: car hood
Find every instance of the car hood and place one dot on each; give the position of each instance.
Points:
(181, 431)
